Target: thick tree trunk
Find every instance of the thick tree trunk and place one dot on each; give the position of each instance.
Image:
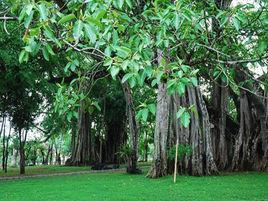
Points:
(100, 150)
(222, 163)
(265, 128)
(2, 125)
(22, 140)
(82, 152)
(46, 157)
(241, 155)
(209, 166)
(43, 157)
(219, 118)
(3, 144)
(159, 166)
(198, 135)
(51, 156)
(115, 138)
(219, 104)
(34, 157)
(15, 157)
(146, 147)
(133, 129)
(250, 143)
(6, 150)
(58, 158)
(250, 150)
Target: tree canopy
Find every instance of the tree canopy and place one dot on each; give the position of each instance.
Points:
(141, 78)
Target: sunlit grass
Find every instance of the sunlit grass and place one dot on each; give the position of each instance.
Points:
(251, 186)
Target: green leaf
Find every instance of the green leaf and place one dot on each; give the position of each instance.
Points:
(93, 21)
(24, 56)
(185, 119)
(154, 82)
(114, 71)
(181, 88)
(100, 15)
(126, 77)
(236, 23)
(262, 46)
(185, 68)
(224, 20)
(28, 49)
(77, 30)
(107, 51)
(90, 32)
(21, 56)
(49, 33)
(28, 9)
(194, 81)
(129, 3)
(171, 83)
(22, 14)
(125, 64)
(108, 61)
(177, 21)
(187, 14)
(145, 113)
(123, 52)
(180, 112)
(115, 37)
(34, 46)
(120, 3)
(152, 108)
(43, 11)
(45, 53)
(66, 18)
(179, 73)
(49, 49)
(69, 116)
(28, 20)
(96, 104)
(132, 82)
(185, 80)
(72, 67)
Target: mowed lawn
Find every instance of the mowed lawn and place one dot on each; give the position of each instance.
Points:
(44, 169)
(120, 187)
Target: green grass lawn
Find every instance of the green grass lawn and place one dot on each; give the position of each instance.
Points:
(53, 169)
(49, 169)
(119, 186)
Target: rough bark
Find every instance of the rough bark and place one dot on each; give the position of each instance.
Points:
(250, 145)
(58, 156)
(6, 153)
(4, 144)
(15, 157)
(241, 154)
(219, 118)
(159, 165)
(51, 156)
(146, 147)
(133, 129)
(46, 155)
(2, 125)
(197, 135)
(82, 152)
(22, 141)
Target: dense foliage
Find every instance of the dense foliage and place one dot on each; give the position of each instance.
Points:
(114, 76)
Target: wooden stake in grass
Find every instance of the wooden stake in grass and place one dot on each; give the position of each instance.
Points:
(176, 160)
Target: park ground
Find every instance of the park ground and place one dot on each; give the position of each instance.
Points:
(118, 186)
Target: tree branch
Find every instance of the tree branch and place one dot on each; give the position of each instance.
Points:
(8, 18)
